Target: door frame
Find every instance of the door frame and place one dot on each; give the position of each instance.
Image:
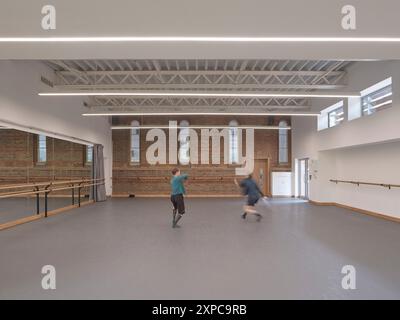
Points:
(306, 178)
(267, 174)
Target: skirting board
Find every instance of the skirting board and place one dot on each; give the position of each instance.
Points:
(367, 212)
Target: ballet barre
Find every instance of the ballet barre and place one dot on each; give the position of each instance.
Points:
(45, 188)
(358, 183)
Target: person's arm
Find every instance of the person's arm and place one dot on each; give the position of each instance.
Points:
(183, 177)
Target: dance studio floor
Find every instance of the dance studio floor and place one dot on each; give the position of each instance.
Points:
(126, 249)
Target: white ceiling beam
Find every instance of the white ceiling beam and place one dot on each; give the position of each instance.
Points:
(74, 72)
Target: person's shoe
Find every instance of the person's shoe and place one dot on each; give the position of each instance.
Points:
(259, 217)
(176, 226)
(244, 215)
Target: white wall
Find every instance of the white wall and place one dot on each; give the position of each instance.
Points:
(357, 149)
(20, 104)
(375, 163)
(385, 124)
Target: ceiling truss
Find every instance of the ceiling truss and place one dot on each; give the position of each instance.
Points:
(199, 75)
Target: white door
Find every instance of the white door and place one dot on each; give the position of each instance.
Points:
(282, 184)
(303, 178)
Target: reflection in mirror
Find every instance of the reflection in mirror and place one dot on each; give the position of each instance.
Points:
(30, 162)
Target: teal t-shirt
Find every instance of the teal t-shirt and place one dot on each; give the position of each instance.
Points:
(177, 186)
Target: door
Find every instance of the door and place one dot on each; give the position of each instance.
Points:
(281, 184)
(261, 174)
(303, 178)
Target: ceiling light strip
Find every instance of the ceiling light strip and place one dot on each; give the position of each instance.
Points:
(207, 94)
(199, 39)
(111, 113)
(199, 127)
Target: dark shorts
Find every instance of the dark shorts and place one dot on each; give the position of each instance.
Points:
(251, 201)
(178, 203)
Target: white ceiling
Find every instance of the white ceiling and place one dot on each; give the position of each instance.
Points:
(206, 18)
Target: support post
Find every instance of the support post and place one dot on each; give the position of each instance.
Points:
(37, 200)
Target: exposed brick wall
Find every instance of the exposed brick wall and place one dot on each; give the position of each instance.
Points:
(65, 160)
(146, 179)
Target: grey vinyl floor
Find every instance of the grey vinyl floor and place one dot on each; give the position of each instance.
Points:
(17, 208)
(126, 249)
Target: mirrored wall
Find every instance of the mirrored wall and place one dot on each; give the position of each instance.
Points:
(28, 160)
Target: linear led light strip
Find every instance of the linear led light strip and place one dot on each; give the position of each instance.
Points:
(199, 39)
(198, 127)
(312, 114)
(203, 94)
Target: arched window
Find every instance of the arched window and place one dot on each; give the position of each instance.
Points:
(283, 142)
(184, 156)
(135, 142)
(233, 142)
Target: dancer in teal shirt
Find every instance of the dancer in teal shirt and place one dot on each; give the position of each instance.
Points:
(177, 193)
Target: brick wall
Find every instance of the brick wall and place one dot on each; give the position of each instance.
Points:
(18, 161)
(146, 179)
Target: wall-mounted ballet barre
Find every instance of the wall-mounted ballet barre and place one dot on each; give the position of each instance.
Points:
(43, 184)
(168, 178)
(358, 183)
(45, 188)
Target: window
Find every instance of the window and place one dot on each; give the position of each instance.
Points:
(42, 149)
(89, 154)
(283, 142)
(135, 143)
(233, 142)
(336, 116)
(377, 97)
(331, 116)
(184, 143)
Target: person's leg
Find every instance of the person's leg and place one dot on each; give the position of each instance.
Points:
(181, 209)
(250, 208)
(174, 210)
(246, 210)
(256, 213)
